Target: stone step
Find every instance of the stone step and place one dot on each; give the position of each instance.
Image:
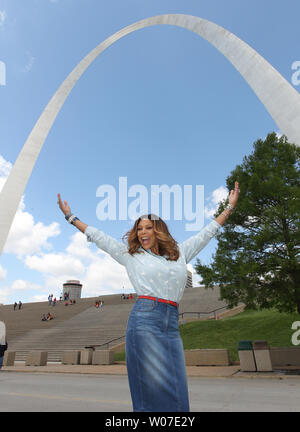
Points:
(56, 355)
(80, 325)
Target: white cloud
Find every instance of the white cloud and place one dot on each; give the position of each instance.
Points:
(40, 298)
(105, 276)
(214, 199)
(5, 294)
(17, 289)
(99, 274)
(28, 237)
(22, 285)
(56, 264)
(5, 167)
(79, 247)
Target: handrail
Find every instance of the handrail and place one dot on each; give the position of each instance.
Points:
(207, 313)
(182, 313)
(105, 343)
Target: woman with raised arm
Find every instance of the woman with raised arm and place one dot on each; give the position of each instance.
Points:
(156, 267)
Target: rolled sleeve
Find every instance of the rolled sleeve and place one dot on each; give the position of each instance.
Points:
(192, 246)
(108, 244)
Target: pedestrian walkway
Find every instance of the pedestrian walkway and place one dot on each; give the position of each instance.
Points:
(119, 368)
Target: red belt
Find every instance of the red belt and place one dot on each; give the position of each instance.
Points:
(160, 300)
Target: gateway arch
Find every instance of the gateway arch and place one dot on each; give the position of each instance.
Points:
(278, 96)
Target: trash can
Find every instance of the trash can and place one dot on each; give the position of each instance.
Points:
(262, 356)
(246, 356)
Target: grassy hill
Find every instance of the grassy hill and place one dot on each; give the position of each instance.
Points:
(269, 325)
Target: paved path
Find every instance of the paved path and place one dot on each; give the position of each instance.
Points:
(117, 369)
(86, 392)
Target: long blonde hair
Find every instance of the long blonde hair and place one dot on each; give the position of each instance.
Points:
(166, 243)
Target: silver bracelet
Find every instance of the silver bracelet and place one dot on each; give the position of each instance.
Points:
(229, 207)
(75, 219)
(71, 219)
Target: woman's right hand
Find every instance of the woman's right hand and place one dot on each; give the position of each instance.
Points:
(64, 206)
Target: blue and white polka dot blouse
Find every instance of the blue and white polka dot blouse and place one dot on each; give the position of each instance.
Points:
(151, 274)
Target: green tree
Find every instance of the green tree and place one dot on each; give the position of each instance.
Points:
(257, 261)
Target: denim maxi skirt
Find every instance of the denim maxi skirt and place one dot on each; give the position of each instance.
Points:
(155, 358)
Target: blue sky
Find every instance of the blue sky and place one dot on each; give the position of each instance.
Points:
(160, 106)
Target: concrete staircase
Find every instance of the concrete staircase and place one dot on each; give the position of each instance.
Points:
(90, 327)
(80, 325)
(201, 300)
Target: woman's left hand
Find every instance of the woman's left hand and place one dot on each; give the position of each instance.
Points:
(234, 194)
